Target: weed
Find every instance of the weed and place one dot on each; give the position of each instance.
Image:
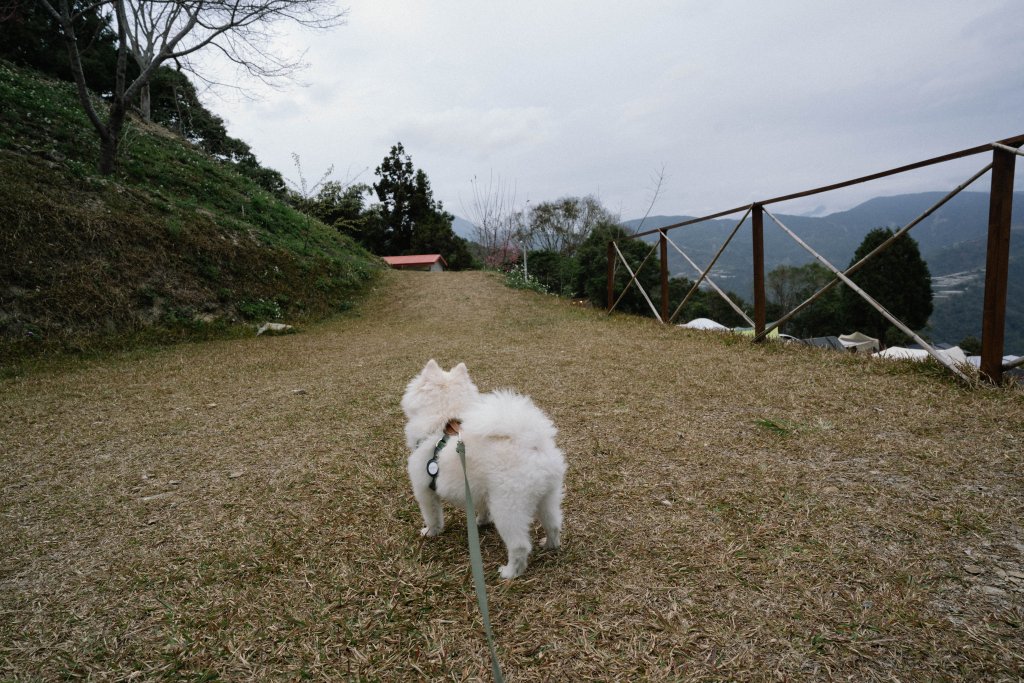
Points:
(518, 279)
(260, 309)
(777, 427)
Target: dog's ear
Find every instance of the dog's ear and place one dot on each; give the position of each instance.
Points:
(432, 367)
(461, 369)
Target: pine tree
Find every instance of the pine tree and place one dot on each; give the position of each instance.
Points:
(898, 279)
(411, 221)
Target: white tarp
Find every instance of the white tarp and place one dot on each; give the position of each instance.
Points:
(954, 355)
(976, 360)
(859, 342)
(704, 324)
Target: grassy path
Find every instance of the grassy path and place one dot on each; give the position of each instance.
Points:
(240, 509)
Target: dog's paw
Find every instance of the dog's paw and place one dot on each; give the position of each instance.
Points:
(550, 544)
(427, 532)
(484, 520)
(507, 571)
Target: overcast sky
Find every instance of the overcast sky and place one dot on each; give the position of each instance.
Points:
(736, 101)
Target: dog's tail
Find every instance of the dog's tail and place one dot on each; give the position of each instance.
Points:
(507, 414)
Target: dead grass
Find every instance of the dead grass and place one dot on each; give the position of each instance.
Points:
(240, 510)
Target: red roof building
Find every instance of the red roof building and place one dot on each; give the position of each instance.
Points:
(431, 262)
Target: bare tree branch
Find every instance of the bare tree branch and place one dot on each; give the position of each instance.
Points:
(658, 180)
(155, 31)
(497, 223)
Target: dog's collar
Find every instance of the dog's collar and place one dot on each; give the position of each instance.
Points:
(451, 428)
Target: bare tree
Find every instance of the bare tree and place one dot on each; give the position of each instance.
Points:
(155, 31)
(657, 182)
(497, 223)
(564, 224)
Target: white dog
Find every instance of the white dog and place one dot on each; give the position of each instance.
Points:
(515, 470)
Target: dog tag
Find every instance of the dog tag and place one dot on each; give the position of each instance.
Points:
(432, 468)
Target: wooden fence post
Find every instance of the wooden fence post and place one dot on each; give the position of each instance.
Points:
(997, 263)
(611, 275)
(664, 277)
(757, 232)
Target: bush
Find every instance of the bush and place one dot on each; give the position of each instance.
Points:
(557, 272)
(517, 279)
(260, 309)
(592, 279)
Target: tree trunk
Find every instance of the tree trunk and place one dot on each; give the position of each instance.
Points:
(145, 105)
(108, 154)
(110, 139)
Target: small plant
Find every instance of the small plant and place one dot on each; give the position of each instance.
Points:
(777, 427)
(260, 309)
(517, 278)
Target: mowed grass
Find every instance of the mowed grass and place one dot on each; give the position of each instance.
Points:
(239, 510)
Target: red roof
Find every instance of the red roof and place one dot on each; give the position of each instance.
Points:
(415, 260)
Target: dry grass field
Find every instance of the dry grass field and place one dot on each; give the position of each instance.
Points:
(239, 510)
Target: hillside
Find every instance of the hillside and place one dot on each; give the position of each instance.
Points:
(176, 245)
(241, 511)
(952, 242)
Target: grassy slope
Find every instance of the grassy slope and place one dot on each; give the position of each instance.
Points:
(733, 512)
(174, 246)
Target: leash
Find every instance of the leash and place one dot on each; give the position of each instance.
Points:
(475, 558)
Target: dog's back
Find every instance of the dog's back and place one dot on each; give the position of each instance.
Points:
(510, 415)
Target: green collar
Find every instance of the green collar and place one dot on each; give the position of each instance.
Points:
(432, 465)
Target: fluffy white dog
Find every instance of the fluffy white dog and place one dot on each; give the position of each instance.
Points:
(515, 469)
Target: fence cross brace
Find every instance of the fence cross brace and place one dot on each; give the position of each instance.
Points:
(874, 252)
(704, 274)
(633, 279)
(874, 304)
(1007, 148)
(711, 282)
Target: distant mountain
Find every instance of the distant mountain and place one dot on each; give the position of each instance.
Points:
(463, 228)
(952, 241)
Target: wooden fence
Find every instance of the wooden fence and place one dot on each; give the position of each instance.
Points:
(1004, 157)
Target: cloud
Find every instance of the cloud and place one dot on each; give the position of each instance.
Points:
(737, 100)
(480, 134)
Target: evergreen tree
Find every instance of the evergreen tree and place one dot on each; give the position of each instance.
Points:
(593, 269)
(409, 219)
(789, 286)
(898, 279)
(558, 272)
(395, 190)
(29, 36)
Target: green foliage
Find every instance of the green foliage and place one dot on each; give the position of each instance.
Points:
(592, 257)
(434, 235)
(558, 272)
(408, 220)
(43, 116)
(971, 345)
(898, 279)
(777, 427)
(400, 207)
(959, 315)
(563, 225)
(583, 273)
(517, 279)
(788, 286)
(175, 105)
(175, 246)
(260, 309)
(30, 37)
(341, 206)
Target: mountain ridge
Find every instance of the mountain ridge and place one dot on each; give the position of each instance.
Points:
(952, 240)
